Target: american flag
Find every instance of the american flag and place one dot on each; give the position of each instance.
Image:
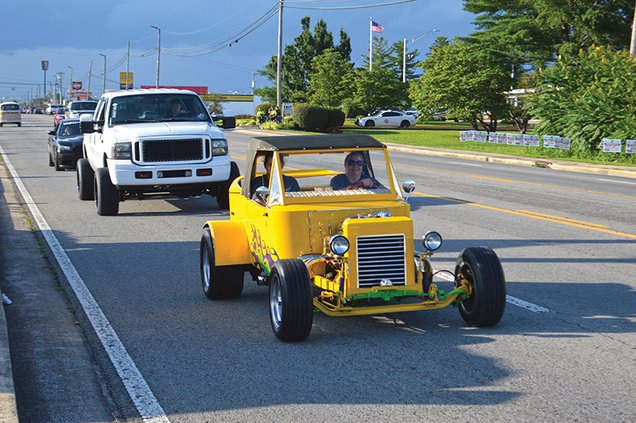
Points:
(376, 27)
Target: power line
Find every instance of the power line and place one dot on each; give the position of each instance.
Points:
(214, 25)
(365, 6)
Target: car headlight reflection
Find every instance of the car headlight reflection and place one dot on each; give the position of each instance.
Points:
(339, 245)
(432, 241)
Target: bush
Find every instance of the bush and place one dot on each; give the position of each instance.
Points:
(311, 118)
(274, 126)
(335, 119)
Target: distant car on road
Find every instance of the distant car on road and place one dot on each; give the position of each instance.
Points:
(65, 144)
(58, 116)
(10, 113)
(76, 108)
(387, 118)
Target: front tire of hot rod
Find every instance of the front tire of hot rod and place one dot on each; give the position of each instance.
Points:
(219, 282)
(290, 300)
(480, 266)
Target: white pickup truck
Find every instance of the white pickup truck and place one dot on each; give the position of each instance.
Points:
(159, 141)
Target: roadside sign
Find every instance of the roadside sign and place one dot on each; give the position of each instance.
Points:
(125, 80)
(630, 146)
(45, 65)
(609, 145)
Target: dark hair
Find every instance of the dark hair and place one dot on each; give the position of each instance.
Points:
(270, 155)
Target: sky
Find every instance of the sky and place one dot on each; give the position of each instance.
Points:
(198, 38)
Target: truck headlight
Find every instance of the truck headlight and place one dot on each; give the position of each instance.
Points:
(338, 245)
(432, 240)
(121, 151)
(219, 147)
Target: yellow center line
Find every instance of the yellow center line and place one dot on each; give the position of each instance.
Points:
(538, 216)
(565, 219)
(515, 181)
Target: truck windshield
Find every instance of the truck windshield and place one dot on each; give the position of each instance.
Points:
(157, 108)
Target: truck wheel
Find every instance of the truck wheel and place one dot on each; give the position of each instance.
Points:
(480, 266)
(222, 282)
(222, 190)
(85, 180)
(106, 195)
(290, 300)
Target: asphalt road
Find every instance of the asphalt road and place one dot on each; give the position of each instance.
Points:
(564, 351)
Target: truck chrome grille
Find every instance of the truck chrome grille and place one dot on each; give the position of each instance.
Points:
(172, 150)
(381, 258)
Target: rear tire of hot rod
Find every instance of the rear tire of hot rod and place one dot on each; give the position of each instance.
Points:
(85, 180)
(480, 266)
(219, 282)
(290, 300)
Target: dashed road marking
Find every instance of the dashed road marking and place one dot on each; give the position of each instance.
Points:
(509, 298)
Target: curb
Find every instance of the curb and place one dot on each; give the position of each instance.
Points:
(624, 172)
(8, 406)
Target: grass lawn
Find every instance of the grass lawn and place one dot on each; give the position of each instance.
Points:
(446, 135)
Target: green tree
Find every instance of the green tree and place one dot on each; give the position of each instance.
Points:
(379, 88)
(462, 82)
(535, 31)
(331, 80)
(397, 57)
(297, 58)
(587, 97)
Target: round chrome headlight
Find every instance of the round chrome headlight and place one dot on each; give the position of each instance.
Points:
(432, 241)
(338, 245)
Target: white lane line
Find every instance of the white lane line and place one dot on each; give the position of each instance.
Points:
(509, 298)
(618, 182)
(139, 391)
(467, 164)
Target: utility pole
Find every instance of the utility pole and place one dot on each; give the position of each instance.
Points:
(90, 74)
(104, 74)
(632, 46)
(370, 44)
(127, 64)
(158, 53)
(279, 62)
(70, 82)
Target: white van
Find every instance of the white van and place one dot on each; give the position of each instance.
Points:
(10, 113)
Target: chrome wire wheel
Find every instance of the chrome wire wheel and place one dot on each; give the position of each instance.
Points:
(205, 270)
(275, 301)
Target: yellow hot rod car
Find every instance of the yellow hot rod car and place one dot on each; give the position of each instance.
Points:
(320, 239)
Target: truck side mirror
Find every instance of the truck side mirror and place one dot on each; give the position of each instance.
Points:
(408, 186)
(87, 125)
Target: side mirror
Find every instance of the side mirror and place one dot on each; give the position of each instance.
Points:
(408, 186)
(262, 193)
(51, 132)
(87, 125)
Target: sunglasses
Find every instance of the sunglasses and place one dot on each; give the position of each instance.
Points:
(355, 162)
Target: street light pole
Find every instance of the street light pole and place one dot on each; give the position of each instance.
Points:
(404, 52)
(158, 53)
(104, 74)
(279, 62)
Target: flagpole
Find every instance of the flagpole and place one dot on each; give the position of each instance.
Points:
(370, 44)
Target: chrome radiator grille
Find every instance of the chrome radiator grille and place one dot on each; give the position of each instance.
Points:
(381, 257)
(172, 150)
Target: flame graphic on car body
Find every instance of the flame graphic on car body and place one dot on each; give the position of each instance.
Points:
(265, 255)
